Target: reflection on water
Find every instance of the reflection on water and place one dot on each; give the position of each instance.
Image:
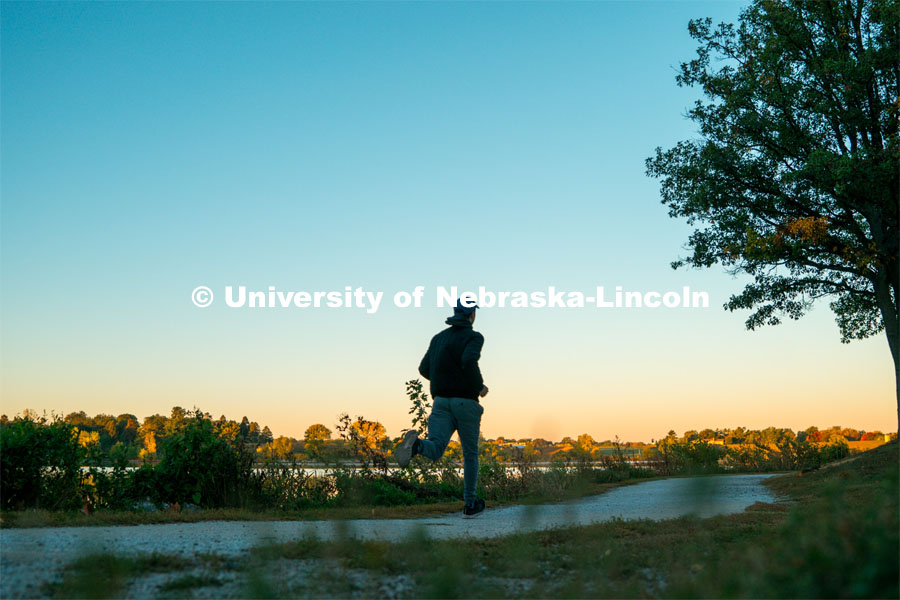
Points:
(322, 471)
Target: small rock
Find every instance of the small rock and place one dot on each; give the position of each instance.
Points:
(145, 506)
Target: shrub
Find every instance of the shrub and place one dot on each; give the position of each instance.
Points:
(363, 488)
(364, 440)
(198, 466)
(40, 464)
(695, 456)
(112, 489)
(287, 486)
(788, 454)
(840, 543)
(496, 482)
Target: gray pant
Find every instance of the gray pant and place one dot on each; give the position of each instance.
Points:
(462, 415)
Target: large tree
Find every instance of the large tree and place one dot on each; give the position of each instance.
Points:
(370, 433)
(316, 435)
(794, 177)
(317, 432)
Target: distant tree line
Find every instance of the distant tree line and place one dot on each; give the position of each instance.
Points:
(774, 435)
(138, 441)
(119, 463)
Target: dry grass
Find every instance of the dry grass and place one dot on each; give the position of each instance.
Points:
(838, 538)
(44, 518)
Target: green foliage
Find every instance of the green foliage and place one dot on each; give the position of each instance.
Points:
(495, 482)
(188, 582)
(794, 179)
(837, 539)
(365, 442)
(285, 485)
(689, 457)
(60, 465)
(369, 483)
(788, 454)
(105, 575)
(107, 430)
(781, 451)
(442, 473)
(421, 406)
(315, 437)
(95, 576)
(523, 478)
(111, 488)
(360, 489)
(841, 540)
(846, 549)
(197, 466)
(40, 464)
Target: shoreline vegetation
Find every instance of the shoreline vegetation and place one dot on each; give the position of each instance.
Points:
(31, 518)
(836, 537)
(78, 471)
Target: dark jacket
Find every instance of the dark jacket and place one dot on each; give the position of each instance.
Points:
(451, 363)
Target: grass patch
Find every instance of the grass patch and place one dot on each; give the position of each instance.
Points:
(838, 538)
(105, 575)
(45, 518)
(188, 582)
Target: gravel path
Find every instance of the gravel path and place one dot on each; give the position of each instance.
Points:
(28, 557)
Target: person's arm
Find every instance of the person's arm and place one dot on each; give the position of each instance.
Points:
(425, 365)
(471, 354)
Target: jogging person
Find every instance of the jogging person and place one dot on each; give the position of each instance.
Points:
(451, 365)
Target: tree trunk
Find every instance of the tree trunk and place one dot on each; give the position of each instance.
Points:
(891, 318)
(894, 352)
(893, 345)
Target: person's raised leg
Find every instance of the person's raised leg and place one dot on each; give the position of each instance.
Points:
(441, 426)
(468, 423)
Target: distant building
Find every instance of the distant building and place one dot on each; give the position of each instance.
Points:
(511, 445)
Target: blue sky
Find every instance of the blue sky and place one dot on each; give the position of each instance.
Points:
(150, 148)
